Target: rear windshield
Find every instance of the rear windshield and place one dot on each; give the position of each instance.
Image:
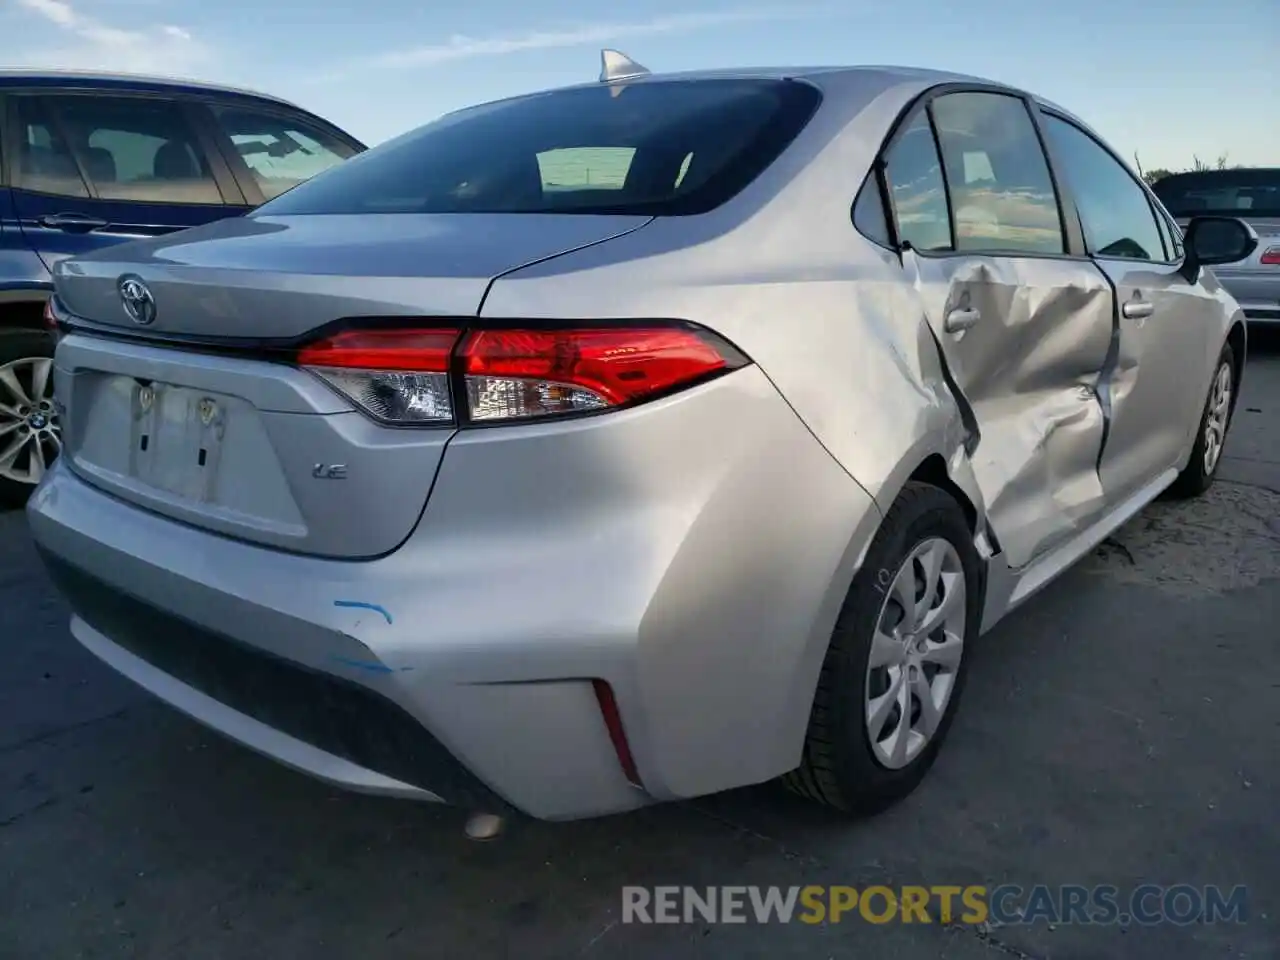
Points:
(1236, 193)
(652, 148)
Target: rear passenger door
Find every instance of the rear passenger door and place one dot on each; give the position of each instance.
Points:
(1022, 318)
(90, 171)
(1169, 331)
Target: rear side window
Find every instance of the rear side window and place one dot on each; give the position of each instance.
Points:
(652, 148)
(914, 174)
(1232, 193)
(43, 163)
(1002, 195)
(133, 148)
(280, 152)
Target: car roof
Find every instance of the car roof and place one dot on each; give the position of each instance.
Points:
(135, 82)
(860, 82)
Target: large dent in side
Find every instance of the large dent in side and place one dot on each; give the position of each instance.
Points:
(1030, 370)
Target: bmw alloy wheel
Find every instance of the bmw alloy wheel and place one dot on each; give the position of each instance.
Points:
(30, 435)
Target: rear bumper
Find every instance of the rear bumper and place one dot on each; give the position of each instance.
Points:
(701, 586)
(1256, 291)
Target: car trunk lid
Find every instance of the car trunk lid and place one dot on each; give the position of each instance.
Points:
(267, 279)
(198, 414)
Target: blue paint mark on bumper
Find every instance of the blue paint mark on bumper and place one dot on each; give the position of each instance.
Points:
(371, 665)
(361, 605)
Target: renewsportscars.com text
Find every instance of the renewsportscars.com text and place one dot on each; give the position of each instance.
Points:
(1007, 905)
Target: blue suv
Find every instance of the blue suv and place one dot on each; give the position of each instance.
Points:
(88, 160)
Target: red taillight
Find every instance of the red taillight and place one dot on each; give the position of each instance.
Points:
(1271, 256)
(403, 375)
(514, 374)
(398, 376)
(409, 351)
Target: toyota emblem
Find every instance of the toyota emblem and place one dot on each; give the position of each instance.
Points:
(138, 302)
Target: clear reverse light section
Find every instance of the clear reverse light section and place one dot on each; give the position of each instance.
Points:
(508, 398)
(393, 396)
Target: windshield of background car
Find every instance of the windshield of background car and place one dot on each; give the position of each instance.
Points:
(1232, 193)
(656, 148)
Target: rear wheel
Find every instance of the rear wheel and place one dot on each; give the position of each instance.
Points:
(30, 435)
(895, 670)
(1215, 420)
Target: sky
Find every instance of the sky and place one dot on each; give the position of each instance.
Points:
(1169, 81)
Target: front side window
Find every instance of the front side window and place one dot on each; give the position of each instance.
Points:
(43, 160)
(1002, 194)
(1115, 213)
(662, 148)
(280, 152)
(137, 149)
(914, 174)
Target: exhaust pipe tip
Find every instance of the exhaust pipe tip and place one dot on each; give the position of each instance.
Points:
(484, 826)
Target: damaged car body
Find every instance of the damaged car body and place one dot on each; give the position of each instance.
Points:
(632, 441)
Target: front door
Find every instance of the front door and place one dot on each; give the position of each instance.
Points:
(1024, 327)
(90, 171)
(1165, 325)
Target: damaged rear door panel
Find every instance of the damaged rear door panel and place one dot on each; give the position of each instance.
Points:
(1027, 366)
(1024, 323)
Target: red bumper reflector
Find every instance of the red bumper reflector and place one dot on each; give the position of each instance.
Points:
(613, 722)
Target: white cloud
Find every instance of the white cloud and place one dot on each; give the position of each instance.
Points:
(87, 43)
(464, 48)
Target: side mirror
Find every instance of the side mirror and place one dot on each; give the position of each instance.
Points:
(1214, 240)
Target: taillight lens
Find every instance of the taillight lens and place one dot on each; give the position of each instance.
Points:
(1271, 256)
(398, 376)
(513, 373)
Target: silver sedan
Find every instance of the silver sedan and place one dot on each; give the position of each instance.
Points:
(632, 441)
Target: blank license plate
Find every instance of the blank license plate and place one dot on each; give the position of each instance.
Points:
(177, 438)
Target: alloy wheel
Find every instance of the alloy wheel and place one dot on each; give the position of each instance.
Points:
(915, 653)
(30, 435)
(1216, 418)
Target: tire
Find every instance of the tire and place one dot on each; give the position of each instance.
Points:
(1198, 475)
(842, 767)
(16, 348)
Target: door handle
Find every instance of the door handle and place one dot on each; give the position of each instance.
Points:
(1137, 309)
(73, 222)
(959, 321)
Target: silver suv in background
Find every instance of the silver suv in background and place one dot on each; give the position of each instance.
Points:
(1252, 194)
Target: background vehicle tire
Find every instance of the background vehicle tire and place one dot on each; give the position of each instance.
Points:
(1211, 436)
(863, 751)
(28, 424)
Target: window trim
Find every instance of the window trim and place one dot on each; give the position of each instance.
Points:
(1153, 205)
(47, 98)
(5, 137)
(1073, 235)
(236, 164)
